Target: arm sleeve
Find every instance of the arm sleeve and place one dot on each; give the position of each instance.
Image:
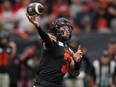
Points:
(77, 65)
(45, 38)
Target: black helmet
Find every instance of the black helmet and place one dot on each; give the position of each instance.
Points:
(59, 26)
(4, 38)
(4, 35)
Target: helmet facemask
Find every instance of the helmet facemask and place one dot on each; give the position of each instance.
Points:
(63, 28)
(65, 32)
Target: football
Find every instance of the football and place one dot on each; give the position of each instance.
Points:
(35, 9)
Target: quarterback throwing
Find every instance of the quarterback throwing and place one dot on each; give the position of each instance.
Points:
(57, 57)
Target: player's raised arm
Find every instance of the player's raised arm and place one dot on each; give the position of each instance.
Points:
(76, 62)
(45, 37)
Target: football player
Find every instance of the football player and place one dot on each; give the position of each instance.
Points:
(57, 57)
(7, 53)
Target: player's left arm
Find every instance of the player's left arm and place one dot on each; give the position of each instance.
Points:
(76, 62)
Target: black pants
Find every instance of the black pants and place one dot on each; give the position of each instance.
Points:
(42, 83)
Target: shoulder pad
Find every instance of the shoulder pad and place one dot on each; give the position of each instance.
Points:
(52, 37)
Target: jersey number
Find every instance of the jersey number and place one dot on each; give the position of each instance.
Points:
(64, 68)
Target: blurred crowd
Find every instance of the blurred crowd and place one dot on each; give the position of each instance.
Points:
(85, 15)
(20, 45)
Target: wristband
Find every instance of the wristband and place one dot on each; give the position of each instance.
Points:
(77, 65)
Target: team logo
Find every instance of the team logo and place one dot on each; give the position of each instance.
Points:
(60, 44)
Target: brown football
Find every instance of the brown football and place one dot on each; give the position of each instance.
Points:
(35, 9)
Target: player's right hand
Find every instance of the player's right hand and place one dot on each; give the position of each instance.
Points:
(78, 55)
(33, 20)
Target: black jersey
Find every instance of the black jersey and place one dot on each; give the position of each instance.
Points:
(54, 63)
